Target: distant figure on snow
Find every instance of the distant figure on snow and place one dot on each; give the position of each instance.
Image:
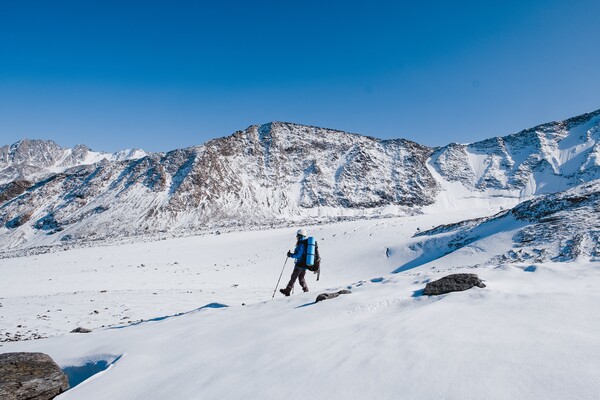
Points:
(299, 266)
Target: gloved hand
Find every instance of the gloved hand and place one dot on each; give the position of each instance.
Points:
(289, 254)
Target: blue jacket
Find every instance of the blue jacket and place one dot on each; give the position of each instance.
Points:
(298, 251)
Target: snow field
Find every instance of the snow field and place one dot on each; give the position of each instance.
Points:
(530, 334)
(118, 285)
(527, 336)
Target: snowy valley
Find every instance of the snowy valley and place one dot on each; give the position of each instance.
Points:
(171, 259)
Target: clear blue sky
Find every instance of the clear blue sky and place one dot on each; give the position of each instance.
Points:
(161, 75)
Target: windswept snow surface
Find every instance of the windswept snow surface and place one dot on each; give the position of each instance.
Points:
(530, 334)
(526, 336)
(147, 280)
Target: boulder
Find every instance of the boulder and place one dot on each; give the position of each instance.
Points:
(326, 296)
(81, 330)
(453, 283)
(30, 376)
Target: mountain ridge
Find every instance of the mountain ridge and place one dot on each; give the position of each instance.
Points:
(36, 159)
(284, 172)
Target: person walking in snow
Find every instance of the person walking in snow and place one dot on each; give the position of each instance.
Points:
(299, 266)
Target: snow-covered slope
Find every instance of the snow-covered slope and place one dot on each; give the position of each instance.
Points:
(230, 267)
(172, 275)
(530, 334)
(281, 173)
(32, 160)
(527, 336)
(552, 228)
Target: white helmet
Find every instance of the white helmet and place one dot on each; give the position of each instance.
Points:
(301, 232)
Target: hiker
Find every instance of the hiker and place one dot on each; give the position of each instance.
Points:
(300, 265)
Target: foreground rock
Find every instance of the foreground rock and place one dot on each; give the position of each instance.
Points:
(326, 296)
(81, 330)
(30, 376)
(453, 283)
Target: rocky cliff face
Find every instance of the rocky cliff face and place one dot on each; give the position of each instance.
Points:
(273, 173)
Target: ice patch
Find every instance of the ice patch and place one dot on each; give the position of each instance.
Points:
(86, 368)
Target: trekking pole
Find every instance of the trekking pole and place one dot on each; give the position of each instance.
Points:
(280, 275)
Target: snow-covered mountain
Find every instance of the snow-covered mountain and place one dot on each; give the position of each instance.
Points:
(264, 174)
(558, 227)
(33, 160)
(544, 159)
(282, 172)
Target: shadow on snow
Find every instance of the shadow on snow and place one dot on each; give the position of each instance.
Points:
(210, 305)
(79, 373)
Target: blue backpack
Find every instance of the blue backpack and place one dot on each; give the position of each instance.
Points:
(311, 260)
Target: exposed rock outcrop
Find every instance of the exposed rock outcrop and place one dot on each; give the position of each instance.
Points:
(30, 376)
(453, 283)
(327, 296)
(81, 330)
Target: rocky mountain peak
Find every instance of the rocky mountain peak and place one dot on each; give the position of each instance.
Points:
(34, 159)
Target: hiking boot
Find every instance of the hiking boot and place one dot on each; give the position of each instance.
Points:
(305, 289)
(286, 291)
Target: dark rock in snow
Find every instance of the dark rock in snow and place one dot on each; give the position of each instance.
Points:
(327, 296)
(31, 376)
(81, 330)
(13, 189)
(453, 283)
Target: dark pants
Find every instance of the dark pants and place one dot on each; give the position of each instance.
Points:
(299, 274)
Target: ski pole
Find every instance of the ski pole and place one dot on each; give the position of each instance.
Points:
(280, 275)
